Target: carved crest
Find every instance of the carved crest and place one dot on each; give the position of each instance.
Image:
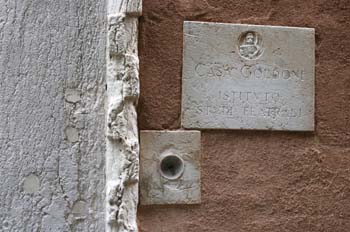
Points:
(250, 45)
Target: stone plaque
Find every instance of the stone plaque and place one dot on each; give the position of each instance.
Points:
(170, 167)
(248, 77)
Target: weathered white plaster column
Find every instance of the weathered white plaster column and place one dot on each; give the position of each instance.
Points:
(52, 145)
(122, 151)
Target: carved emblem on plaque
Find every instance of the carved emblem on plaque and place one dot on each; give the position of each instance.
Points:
(250, 45)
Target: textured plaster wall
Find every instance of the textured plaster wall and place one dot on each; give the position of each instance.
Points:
(52, 144)
(255, 181)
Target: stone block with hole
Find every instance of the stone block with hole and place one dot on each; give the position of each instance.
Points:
(170, 167)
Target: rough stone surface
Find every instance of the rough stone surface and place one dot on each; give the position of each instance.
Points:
(255, 181)
(239, 76)
(49, 50)
(122, 151)
(170, 167)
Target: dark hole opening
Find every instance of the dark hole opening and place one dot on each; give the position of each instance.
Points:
(171, 167)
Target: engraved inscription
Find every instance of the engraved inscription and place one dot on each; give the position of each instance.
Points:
(242, 104)
(258, 71)
(250, 111)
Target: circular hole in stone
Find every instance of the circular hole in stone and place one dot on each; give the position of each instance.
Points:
(171, 167)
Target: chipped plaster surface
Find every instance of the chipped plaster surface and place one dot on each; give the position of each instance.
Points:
(52, 142)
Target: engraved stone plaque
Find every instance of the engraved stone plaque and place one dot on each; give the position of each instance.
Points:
(170, 167)
(239, 76)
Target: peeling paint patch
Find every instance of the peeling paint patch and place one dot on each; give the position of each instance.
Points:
(72, 95)
(79, 210)
(72, 134)
(31, 184)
